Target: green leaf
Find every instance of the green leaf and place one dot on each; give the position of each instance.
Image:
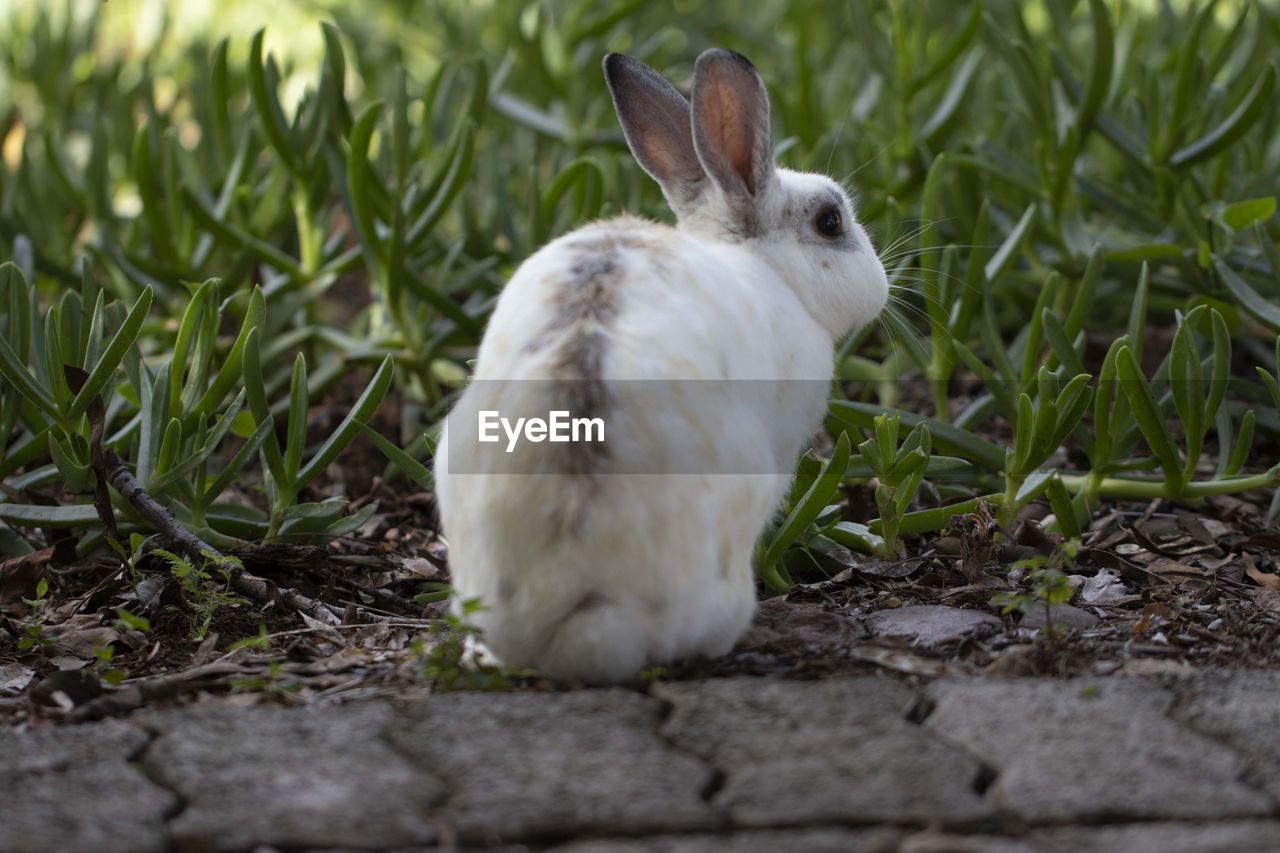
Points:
(55, 366)
(906, 466)
(1033, 486)
(237, 462)
(158, 219)
(188, 328)
(1082, 304)
(1100, 69)
(811, 504)
(1221, 367)
(363, 409)
(970, 301)
(91, 341)
(1145, 252)
(12, 368)
(886, 427)
(1145, 411)
(947, 438)
(1137, 325)
(1272, 253)
(938, 518)
(903, 333)
(232, 368)
(1024, 435)
(857, 536)
(267, 104)
(1229, 466)
(1186, 383)
(1263, 309)
(1234, 126)
(998, 388)
(256, 394)
(1061, 345)
(938, 467)
(1242, 214)
(414, 469)
(1072, 403)
(21, 308)
(299, 408)
(75, 470)
(448, 183)
(948, 109)
(580, 171)
(1004, 257)
(1188, 58)
(26, 452)
(231, 234)
(336, 71)
(345, 526)
(1064, 511)
(23, 515)
(169, 445)
(203, 453)
(220, 99)
(931, 212)
(1033, 331)
(113, 354)
(153, 416)
(359, 179)
(1270, 383)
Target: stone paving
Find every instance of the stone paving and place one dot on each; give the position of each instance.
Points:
(850, 763)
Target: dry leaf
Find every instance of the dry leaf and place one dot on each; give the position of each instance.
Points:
(1263, 579)
(932, 624)
(20, 575)
(1167, 566)
(14, 678)
(1104, 588)
(1267, 599)
(902, 661)
(421, 567)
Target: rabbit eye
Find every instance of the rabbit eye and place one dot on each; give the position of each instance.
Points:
(829, 223)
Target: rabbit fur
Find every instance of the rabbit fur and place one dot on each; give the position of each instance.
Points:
(591, 575)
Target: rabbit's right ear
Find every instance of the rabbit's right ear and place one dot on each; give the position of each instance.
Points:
(731, 128)
(655, 121)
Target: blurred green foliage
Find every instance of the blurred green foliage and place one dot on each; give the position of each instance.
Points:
(1050, 183)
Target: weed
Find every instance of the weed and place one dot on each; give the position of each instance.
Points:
(448, 657)
(33, 635)
(1044, 581)
(203, 594)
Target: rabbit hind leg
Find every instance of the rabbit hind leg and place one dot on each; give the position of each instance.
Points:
(599, 641)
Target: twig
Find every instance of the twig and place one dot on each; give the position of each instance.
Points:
(261, 589)
(150, 509)
(114, 471)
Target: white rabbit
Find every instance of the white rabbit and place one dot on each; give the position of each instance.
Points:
(586, 567)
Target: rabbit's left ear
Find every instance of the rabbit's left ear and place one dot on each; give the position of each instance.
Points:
(731, 125)
(655, 121)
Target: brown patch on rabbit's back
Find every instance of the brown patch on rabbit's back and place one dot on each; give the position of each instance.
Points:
(585, 300)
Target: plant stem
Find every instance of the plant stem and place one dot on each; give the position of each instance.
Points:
(940, 399)
(922, 521)
(1120, 487)
(310, 250)
(1009, 501)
